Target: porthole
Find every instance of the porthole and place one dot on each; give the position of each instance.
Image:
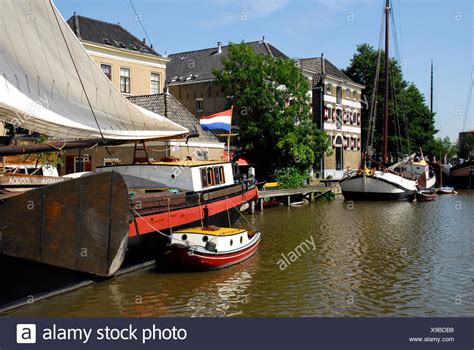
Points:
(231, 242)
(241, 239)
(173, 176)
(205, 239)
(184, 237)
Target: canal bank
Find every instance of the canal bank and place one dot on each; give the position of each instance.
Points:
(370, 259)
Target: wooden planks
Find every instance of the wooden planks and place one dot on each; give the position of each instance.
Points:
(81, 224)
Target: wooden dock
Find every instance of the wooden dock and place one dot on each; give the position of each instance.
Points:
(309, 193)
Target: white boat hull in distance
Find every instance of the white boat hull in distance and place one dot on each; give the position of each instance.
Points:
(380, 186)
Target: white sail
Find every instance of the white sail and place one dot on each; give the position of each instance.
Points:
(47, 77)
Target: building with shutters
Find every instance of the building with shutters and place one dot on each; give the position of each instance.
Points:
(336, 105)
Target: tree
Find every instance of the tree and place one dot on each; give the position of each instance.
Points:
(441, 147)
(44, 158)
(411, 124)
(271, 104)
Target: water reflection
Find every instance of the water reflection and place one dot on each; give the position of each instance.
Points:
(370, 259)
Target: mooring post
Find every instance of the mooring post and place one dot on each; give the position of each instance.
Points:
(252, 207)
(261, 204)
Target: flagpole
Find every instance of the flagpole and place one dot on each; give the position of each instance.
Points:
(229, 134)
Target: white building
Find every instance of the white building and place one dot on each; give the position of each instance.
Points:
(336, 106)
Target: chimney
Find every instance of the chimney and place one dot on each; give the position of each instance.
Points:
(323, 64)
(219, 47)
(144, 41)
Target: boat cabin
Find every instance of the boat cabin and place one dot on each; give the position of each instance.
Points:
(189, 175)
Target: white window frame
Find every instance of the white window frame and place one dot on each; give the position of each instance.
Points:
(153, 74)
(129, 80)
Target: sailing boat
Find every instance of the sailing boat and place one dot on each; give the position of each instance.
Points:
(395, 182)
(50, 85)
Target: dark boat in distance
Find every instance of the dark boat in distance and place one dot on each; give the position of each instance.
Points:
(462, 175)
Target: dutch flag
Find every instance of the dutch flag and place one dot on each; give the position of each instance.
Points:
(217, 121)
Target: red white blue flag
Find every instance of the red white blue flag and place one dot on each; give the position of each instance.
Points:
(217, 121)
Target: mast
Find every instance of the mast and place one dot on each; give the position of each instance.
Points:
(385, 131)
(431, 89)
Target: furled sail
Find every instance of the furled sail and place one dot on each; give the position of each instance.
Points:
(49, 83)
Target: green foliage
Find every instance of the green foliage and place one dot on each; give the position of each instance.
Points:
(44, 158)
(411, 124)
(272, 110)
(290, 177)
(443, 146)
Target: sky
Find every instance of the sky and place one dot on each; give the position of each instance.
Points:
(438, 30)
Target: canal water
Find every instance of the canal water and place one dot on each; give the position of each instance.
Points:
(326, 259)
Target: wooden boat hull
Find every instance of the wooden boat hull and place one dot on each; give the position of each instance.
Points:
(462, 175)
(80, 224)
(185, 258)
(382, 186)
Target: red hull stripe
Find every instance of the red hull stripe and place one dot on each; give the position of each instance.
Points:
(180, 217)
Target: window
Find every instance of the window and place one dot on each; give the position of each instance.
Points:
(221, 173)
(212, 176)
(107, 69)
(111, 161)
(329, 89)
(155, 83)
(217, 178)
(348, 93)
(204, 177)
(125, 80)
(81, 164)
(199, 104)
(338, 95)
(354, 95)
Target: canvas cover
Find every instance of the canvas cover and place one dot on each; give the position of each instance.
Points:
(41, 61)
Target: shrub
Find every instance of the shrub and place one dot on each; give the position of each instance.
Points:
(290, 177)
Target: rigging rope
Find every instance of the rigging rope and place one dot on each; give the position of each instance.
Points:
(468, 100)
(373, 104)
(139, 19)
(148, 224)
